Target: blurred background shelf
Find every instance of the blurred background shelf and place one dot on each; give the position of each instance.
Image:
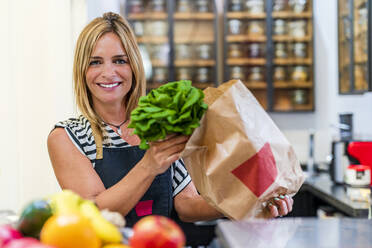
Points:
(269, 46)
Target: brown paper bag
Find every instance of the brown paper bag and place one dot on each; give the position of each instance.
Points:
(238, 159)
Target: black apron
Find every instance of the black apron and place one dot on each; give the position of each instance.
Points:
(117, 162)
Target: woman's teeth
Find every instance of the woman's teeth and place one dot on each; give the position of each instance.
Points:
(109, 85)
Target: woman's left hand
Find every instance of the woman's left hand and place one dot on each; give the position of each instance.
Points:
(280, 206)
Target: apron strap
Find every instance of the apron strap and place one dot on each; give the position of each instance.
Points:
(98, 140)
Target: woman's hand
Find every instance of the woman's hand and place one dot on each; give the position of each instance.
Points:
(280, 206)
(162, 154)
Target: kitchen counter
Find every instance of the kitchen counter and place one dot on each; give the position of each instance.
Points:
(321, 186)
(294, 232)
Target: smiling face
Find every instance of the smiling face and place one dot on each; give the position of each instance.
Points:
(109, 75)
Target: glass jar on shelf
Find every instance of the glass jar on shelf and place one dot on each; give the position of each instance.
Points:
(280, 5)
(184, 6)
(280, 73)
(298, 6)
(236, 5)
(235, 51)
(136, 6)
(160, 75)
(299, 74)
(183, 51)
(255, 28)
(255, 74)
(280, 50)
(299, 50)
(157, 28)
(202, 6)
(160, 53)
(184, 73)
(299, 97)
(138, 28)
(157, 5)
(202, 75)
(204, 51)
(237, 72)
(254, 50)
(235, 26)
(297, 28)
(254, 6)
(280, 27)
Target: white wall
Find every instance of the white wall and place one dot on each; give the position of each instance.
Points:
(36, 91)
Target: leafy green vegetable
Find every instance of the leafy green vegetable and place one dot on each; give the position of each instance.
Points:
(175, 107)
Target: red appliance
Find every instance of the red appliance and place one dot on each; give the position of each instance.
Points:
(362, 152)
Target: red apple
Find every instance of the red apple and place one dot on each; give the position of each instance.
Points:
(21, 243)
(155, 231)
(7, 234)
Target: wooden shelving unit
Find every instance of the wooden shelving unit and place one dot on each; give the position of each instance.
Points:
(294, 90)
(354, 46)
(191, 27)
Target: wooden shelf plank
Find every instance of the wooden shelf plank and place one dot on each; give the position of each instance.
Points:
(189, 63)
(245, 38)
(291, 61)
(291, 38)
(203, 85)
(286, 85)
(158, 63)
(193, 16)
(291, 15)
(256, 85)
(153, 39)
(246, 61)
(245, 15)
(148, 15)
(189, 40)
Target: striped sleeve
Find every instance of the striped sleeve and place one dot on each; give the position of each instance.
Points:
(80, 133)
(180, 176)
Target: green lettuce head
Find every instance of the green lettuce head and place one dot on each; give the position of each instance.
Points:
(175, 107)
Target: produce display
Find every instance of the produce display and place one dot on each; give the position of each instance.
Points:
(175, 107)
(65, 220)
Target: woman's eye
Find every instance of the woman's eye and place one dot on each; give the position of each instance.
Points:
(120, 61)
(94, 62)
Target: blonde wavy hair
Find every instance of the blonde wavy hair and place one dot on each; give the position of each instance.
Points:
(109, 22)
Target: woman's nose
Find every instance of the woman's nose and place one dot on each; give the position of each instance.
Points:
(108, 70)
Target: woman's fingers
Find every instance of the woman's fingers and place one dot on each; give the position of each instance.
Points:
(170, 142)
(282, 205)
(273, 210)
(289, 201)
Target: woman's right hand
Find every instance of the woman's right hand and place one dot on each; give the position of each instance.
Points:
(162, 154)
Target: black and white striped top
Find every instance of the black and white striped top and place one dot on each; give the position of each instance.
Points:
(80, 133)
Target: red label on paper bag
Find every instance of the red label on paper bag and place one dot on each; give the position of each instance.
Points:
(258, 172)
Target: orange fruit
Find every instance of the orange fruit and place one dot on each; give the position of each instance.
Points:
(69, 231)
(116, 246)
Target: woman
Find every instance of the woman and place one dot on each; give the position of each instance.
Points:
(108, 81)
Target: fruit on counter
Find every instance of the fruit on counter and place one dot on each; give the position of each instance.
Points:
(7, 234)
(116, 246)
(157, 232)
(65, 202)
(69, 231)
(105, 230)
(33, 218)
(26, 242)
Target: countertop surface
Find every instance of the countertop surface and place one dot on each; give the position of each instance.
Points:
(295, 232)
(335, 194)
